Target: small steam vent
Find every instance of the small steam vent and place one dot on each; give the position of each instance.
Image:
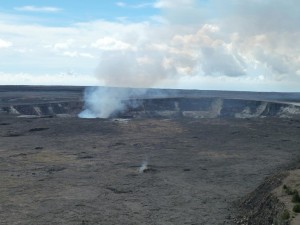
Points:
(146, 168)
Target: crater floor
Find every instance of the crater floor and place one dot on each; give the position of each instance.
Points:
(72, 171)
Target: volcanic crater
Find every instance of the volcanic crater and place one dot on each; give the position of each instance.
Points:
(184, 157)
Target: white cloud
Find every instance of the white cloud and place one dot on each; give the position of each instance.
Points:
(5, 44)
(142, 5)
(24, 50)
(31, 8)
(63, 45)
(121, 4)
(86, 55)
(187, 12)
(135, 6)
(111, 44)
(73, 54)
(173, 3)
(70, 54)
(229, 44)
(47, 79)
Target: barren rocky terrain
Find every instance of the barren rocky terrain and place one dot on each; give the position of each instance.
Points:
(70, 171)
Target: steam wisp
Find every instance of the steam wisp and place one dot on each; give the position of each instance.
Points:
(143, 167)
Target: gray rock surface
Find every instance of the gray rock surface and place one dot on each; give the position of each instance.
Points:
(72, 171)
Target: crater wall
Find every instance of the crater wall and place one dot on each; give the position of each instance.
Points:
(166, 108)
(209, 108)
(43, 109)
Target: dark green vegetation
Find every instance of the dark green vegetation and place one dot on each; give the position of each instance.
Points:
(296, 197)
(296, 208)
(285, 215)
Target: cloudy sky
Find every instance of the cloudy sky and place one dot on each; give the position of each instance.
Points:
(251, 45)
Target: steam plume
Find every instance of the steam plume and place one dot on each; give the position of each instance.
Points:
(102, 102)
(229, 41)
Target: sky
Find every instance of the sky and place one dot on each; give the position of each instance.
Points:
(249, 45)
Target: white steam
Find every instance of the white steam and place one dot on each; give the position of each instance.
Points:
(252, 40)
(143, 167)
(102, 102)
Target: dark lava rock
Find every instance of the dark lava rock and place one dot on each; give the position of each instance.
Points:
(38, 129)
